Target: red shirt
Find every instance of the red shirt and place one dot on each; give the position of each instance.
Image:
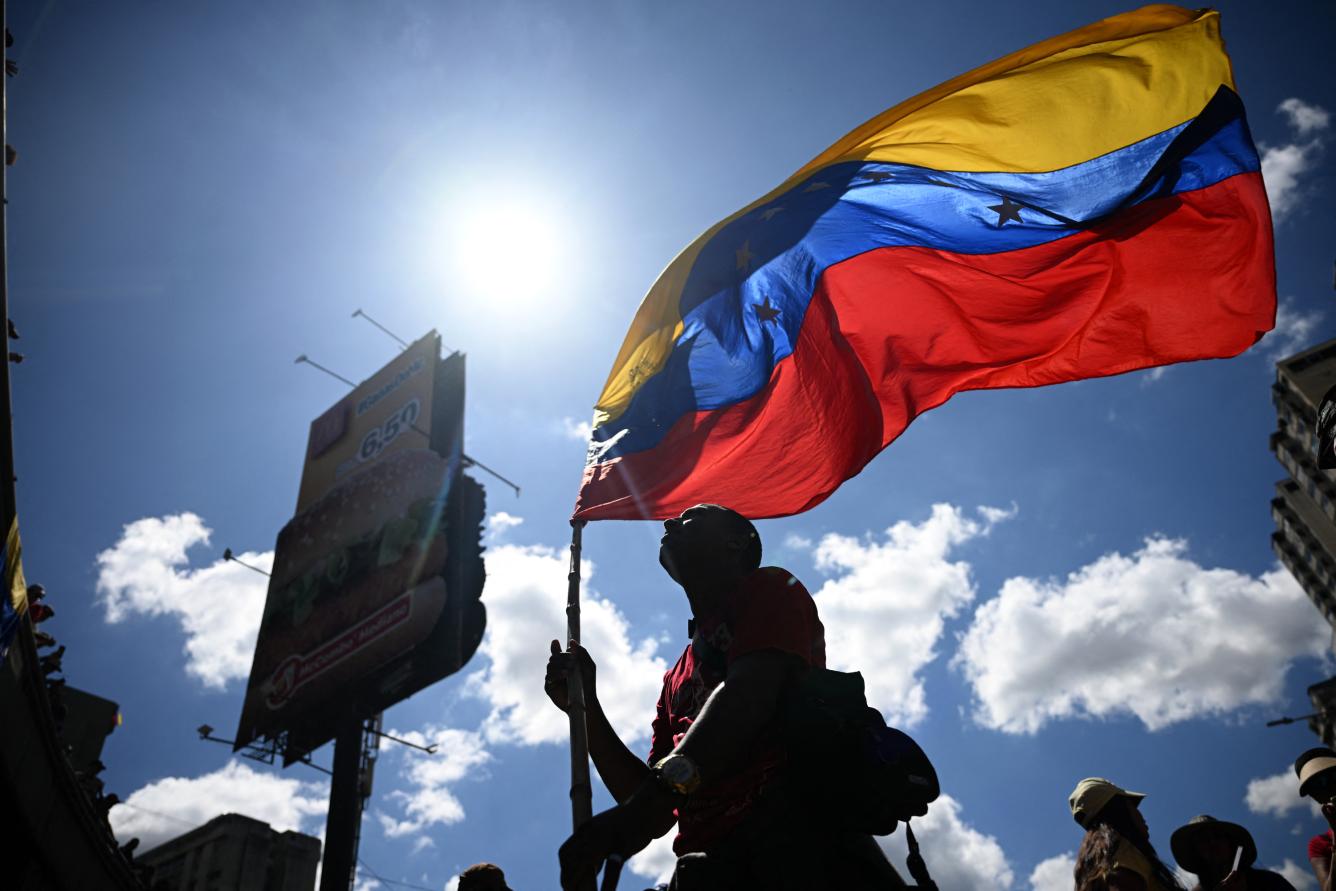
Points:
(1319, 846)
(770, 610)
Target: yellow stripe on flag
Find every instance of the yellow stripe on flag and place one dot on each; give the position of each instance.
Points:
(1060, 102)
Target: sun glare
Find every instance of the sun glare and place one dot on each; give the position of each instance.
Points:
(509, 252)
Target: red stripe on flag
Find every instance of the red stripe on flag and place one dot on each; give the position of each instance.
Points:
(894, 332)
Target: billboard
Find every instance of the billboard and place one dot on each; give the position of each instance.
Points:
(377, 578)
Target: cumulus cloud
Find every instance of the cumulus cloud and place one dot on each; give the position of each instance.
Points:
(1277, 795)
(1154, 375)
(1284, 166)
(1295, 331)
(1305, 119)
(657, 861)
(170, 806)
(580, 431)
(218, 606)
(1301, 877)
(499, 523)
(1155, 635)
(795, 542)
(1054, 874)
(428, 798)
(960, 857)
(526, 606)
(885, 609)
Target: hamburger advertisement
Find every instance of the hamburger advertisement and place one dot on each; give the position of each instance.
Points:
(376, 583)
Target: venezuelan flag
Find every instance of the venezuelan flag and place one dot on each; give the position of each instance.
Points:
(1087, 206)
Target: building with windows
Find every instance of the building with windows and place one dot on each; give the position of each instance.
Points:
(1304, 508)
(1305, 504)
(234, 853)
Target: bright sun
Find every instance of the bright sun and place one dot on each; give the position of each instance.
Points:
(510, 252)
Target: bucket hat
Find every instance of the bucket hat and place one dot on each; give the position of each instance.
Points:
(1184, 841)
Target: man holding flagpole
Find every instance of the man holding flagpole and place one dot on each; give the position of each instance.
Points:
(1087, 206)
(716, 764)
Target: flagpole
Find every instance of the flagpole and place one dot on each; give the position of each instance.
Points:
(582, 807)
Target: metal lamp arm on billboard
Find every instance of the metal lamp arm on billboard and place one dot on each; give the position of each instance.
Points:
(265, 753)
(228, 555)
(397, 339)
(474, 462)
(303, 358)
(468, 461)
(430, 750)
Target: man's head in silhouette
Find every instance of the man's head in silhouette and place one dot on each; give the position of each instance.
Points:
(709, 548)
(483, 877)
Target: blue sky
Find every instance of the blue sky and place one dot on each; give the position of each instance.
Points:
(205, 191)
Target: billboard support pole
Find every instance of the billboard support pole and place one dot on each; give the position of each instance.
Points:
(345, 808)
(582, 806)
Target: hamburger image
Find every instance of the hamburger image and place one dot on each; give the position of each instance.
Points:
(357, 581)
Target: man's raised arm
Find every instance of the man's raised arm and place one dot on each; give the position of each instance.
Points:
(621, 771)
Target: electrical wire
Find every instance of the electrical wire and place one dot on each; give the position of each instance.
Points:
(380, 878)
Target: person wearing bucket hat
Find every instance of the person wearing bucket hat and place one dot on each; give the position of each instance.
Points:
(1116, 853)
(1207, 848)
(1316, 769)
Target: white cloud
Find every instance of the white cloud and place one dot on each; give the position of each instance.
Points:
(218, 606)
(579, 431)
(1155, 635)
(171, 806)
(429, 798)
(885, 611)
(958, 856)
(1277, 795)
(1301, 877)
(526, 607)
(1304, 118)
(1054, 874)
(1154, 375)
(795, 542)
(657, 861)
(453, 884)
(499, 523)
(1295, 330)
(1283, 166)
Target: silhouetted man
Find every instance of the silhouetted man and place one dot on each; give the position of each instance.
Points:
(483, 877)
(717, 762)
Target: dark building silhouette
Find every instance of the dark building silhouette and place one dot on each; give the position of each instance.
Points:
(1305, 504)
(89, 720)
(234, 853)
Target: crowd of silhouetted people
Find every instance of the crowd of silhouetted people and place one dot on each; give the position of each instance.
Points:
(1117, 855)
(88, 776)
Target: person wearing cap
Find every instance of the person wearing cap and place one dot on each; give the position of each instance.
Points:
(1116, 852)
(1208, 848)
(1316, 769)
